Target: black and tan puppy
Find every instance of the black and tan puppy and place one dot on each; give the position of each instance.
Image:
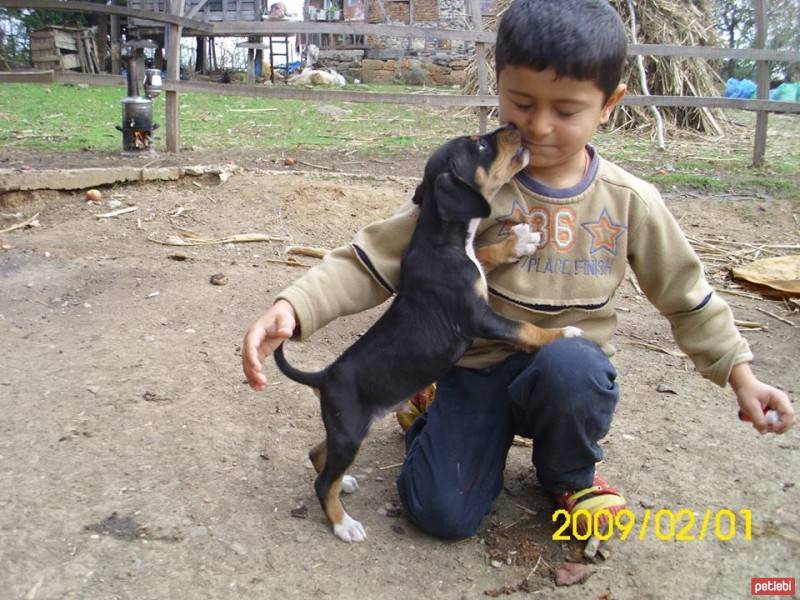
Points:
(439, 310)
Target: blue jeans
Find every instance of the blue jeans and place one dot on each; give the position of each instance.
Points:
(563, 397)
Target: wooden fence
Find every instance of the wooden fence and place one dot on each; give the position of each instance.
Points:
(175, 21)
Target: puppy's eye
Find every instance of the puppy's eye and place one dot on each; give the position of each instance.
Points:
(482, 145)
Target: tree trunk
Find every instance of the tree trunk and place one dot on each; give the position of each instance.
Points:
(200, 55)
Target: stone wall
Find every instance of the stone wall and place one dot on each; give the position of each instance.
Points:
(442, 71)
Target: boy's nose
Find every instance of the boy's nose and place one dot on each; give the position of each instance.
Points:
(538, 125)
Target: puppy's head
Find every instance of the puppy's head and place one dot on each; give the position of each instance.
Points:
(463, 175)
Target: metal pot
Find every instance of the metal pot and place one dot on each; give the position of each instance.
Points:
(137, 113)
(152, 83)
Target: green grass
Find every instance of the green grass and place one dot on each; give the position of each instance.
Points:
(65, 118)
(70, 119)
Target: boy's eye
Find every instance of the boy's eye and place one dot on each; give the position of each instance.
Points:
(566, 114)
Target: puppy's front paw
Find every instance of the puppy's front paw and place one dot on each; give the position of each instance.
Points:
(349, 484)
(527, 240)
(350, 530)
(570, 332)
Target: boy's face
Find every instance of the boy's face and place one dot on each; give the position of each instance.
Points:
(556, 116)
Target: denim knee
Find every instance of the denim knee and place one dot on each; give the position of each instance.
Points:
(572, 366)
(442, 513)
(565, 398)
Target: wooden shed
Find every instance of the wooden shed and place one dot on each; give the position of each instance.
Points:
(64, 48)
(203, 10)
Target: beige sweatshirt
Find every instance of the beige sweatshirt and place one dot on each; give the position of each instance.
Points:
(590, 233)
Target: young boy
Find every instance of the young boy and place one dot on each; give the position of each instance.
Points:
(559, 65)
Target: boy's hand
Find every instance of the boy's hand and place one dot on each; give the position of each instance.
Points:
(261, 339)
(756, 398)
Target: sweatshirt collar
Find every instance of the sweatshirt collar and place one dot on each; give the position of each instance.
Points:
(541, 189)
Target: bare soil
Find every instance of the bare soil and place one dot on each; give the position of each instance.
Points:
(136, 463)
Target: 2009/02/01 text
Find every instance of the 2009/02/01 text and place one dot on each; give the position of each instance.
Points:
(665, 524)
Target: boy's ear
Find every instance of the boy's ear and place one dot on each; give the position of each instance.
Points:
(457, 201)
(617, 95)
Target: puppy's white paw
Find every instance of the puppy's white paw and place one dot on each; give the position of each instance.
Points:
(350, 530)
(527, 240)
(349, 484)
(570, 332)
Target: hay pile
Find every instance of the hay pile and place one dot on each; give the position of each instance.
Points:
(680, 22)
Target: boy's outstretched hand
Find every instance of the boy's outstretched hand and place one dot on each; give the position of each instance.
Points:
(261, 339)
(756, 398)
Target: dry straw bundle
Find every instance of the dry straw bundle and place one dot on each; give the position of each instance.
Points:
(679, 22)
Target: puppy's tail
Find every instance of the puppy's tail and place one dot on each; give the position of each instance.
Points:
(313, 380)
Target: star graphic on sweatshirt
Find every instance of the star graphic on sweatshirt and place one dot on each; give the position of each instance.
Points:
(605, 233)
(518, 214)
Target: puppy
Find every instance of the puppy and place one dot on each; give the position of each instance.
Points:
(440, 308)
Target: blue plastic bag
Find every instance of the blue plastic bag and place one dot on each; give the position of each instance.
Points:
(744, 88)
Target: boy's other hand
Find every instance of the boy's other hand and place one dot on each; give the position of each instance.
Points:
(756, 398)
(261, 339)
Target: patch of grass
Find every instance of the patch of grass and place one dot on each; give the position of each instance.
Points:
(68, 119)
(65, 118)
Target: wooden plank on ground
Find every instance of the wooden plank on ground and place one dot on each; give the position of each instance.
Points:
(27, 76)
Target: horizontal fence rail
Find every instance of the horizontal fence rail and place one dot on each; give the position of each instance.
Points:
(321, 95)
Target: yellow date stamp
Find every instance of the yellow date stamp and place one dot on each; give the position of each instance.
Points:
(664, 524)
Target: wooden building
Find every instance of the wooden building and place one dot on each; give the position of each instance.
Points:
(64, 48)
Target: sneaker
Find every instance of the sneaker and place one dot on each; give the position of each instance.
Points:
(415, 406)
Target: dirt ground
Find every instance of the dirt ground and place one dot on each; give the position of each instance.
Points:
(136, 463)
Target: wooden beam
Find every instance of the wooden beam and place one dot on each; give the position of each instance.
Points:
(317, 95)
(27, 76)
(713, 53)
(762, 70)
(103, 9)
(173, 43)
(480, 62)
(196, 9)
(245, 28)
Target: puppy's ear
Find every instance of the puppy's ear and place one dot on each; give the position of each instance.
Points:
(419, 193)
(457, 201)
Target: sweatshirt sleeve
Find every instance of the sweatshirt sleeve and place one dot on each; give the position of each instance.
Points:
(354, 277)
(672, 277)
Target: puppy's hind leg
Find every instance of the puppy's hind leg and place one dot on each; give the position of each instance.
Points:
(317, 456)
(346, 429)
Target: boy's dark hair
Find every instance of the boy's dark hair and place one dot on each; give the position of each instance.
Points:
(582, 39)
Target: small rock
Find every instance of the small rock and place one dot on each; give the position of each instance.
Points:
(152, 295)
(665, 389)
(646, 503)
(496, 564)
(571, 573)
(300, 511)
(239, 548)
(219, 279)
(398, 530)
(198, 532)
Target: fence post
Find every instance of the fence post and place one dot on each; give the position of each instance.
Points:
(762, 66)
(480, 62)
(173, 74)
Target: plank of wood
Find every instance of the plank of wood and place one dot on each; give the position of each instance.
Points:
(91, 7)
